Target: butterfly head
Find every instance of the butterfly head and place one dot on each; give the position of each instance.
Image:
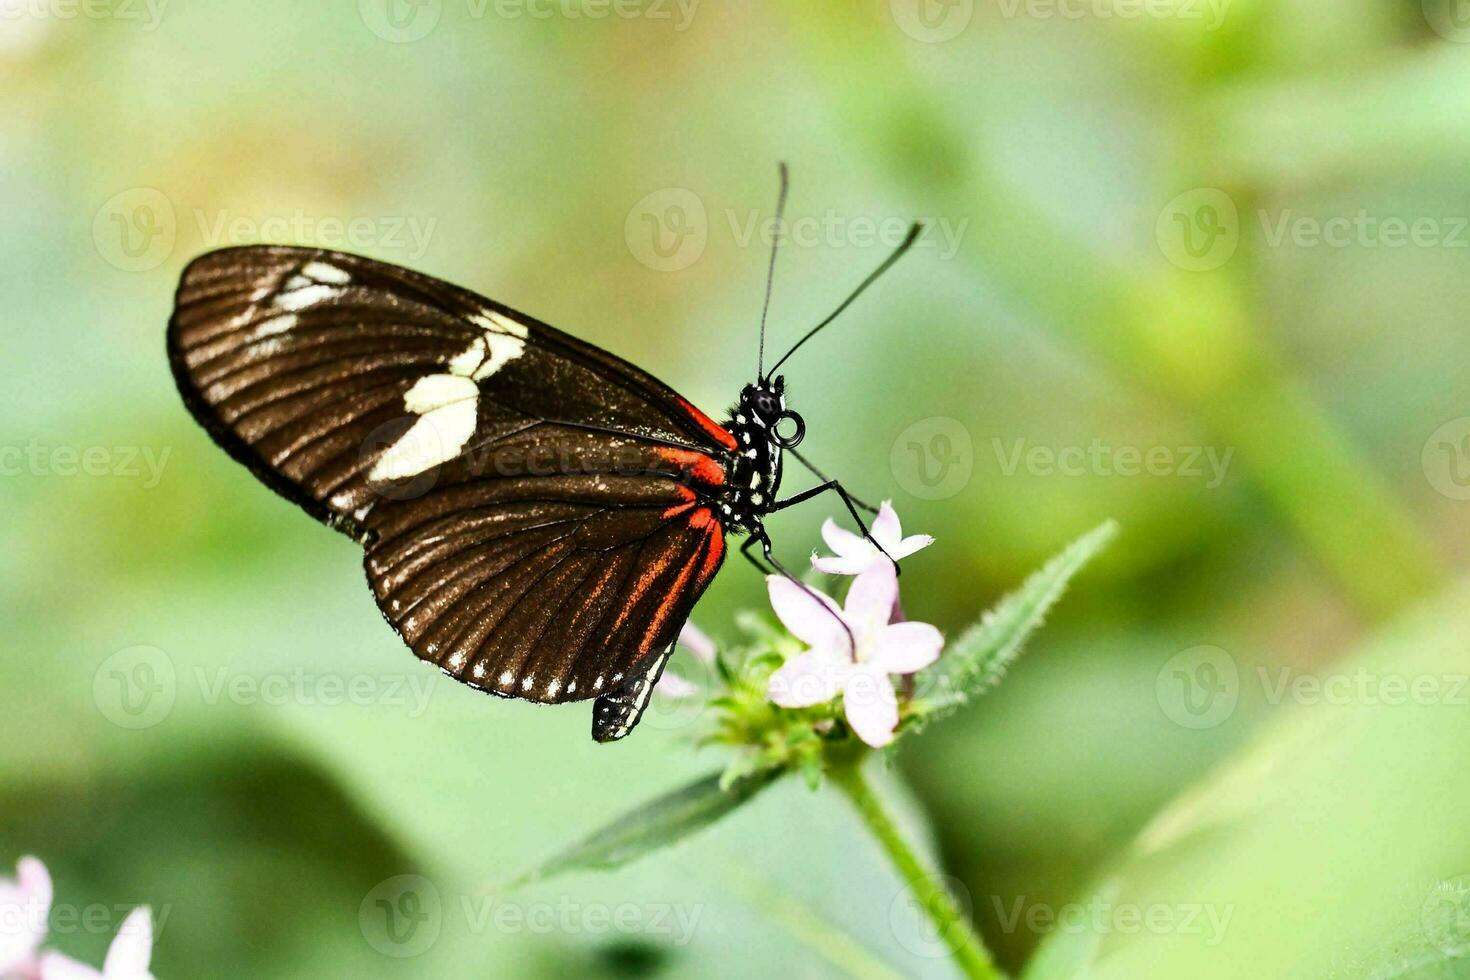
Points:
(764, 403)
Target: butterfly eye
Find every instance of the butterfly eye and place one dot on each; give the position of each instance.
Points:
(788, 430)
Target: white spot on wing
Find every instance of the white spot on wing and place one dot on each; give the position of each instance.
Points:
(507, 678)
(552, 688)
(465, 364)
(503, 349)
(435, 438)
(322, 272)
(498, 323)
(273, 326)
(300, 299)
(438, 391)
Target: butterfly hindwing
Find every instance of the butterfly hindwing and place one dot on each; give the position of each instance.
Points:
(532, 507)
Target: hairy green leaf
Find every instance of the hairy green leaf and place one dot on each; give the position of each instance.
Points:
(978, 659)
(654, 825)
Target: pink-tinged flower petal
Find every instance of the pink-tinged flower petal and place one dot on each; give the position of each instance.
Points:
(25, 904)
(674, 686)
(842, 565)
(801, 611)
(55, 966)
(909, 545)
(697, 642)
(871, 706)
(903, 648)
(843, 541)
(132, 947)
(34, 879)
(873, 593)
(809, 678)
(886, 530)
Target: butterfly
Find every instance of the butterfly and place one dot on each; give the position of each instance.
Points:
(538, 516)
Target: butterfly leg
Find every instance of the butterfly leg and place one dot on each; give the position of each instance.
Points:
(775, 567)
(848, 501)
(827, 479)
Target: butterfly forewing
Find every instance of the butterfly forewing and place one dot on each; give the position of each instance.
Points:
(534, 509)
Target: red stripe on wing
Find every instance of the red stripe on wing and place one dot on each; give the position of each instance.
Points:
(714, 550)
(712, 428)
(687, 497)
(704, 469)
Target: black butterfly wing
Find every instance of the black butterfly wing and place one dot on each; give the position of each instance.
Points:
(534, 509)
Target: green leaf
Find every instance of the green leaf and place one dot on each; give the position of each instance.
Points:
(1332, 845)
(978, 659)
(658, 823)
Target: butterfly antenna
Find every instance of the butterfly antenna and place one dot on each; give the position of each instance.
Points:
(908, 241)
(771, 270)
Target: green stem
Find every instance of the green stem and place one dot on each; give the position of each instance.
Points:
(951, 924)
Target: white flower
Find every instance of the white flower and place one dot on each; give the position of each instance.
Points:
(855, 554)
(858, 667)
(698, 643)
(25, 904)
(127, 957)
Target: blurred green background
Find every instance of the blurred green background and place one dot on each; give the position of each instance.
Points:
(1197, 266)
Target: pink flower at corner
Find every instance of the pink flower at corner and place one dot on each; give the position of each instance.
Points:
(25, 905)
(831, 666)
(855, 554)
(698, 643)
(127, 958)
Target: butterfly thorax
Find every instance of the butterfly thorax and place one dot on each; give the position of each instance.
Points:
(753, 471)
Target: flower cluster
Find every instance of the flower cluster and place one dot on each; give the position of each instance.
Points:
(25, 907)
(849, 650)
